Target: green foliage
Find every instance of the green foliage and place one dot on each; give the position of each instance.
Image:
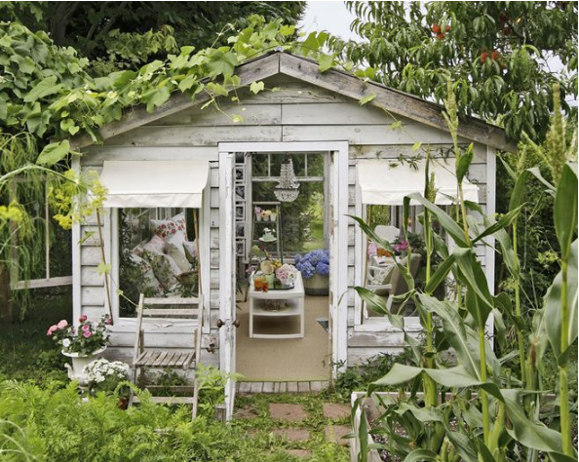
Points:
(125, 35)
(493, 52)
(27, 353)
(509, 393)
(58, 425)
(69, 101)
(360, 377)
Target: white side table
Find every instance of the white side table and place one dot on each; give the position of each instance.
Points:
(293, 297)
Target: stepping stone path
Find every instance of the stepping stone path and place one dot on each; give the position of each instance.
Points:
(336, 411)
(297, 415)
(303, 453)
(292, 434)
(287, 412)
(246, 413)
(336, 433)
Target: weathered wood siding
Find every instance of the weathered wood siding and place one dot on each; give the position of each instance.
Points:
(295, 111)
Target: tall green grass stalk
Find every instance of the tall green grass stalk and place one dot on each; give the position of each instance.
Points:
(563, 385)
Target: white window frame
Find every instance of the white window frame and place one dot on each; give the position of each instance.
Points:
(412, 323)
(111, 234)
(362, 322)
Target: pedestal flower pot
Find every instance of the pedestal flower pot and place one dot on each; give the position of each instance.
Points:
(79, 362)
(317, 285)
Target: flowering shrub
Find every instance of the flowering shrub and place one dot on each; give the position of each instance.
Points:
(84, 340)
(315, 262)
(103, 375)
(286, 274)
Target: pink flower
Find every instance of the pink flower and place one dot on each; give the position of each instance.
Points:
(372, 249)
(83, 318)
(108, 321)
(62, 324)
(51, 330)
(86, 328)
(401, 246)
(87, 334)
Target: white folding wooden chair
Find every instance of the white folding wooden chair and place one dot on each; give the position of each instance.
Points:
(159, 358)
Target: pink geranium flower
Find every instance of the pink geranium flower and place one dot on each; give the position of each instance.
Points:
(86, 328)
(87, 334)
(51, 330)
(83, 318)
(62, 324)
(108, 321)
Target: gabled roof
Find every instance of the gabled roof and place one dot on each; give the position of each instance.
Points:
(340, 82)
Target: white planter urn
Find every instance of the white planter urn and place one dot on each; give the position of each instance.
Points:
(79, 362)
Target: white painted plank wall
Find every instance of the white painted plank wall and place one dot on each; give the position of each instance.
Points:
(295, 112)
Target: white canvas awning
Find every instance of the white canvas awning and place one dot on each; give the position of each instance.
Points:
(150, 184)
(387, 182)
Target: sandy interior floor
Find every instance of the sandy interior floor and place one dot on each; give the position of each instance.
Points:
(305, 358)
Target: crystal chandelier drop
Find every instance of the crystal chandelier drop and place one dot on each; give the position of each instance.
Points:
(288, 187)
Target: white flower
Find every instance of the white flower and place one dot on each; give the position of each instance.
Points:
(66, 343)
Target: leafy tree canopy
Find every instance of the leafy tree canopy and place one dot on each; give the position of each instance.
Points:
(125, 35)
(48, 90)
(497, 54)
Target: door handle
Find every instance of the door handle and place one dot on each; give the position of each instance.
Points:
(220, 323)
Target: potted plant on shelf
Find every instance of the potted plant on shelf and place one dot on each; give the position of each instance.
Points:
(82, 344)
(315, 269)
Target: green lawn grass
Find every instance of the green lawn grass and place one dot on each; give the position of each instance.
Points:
(26, 352)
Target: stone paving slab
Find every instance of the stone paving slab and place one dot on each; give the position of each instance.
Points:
(336, 411)
(246, 413)
(288, 412)
(303, 453)
(292, 434)
(336, 433)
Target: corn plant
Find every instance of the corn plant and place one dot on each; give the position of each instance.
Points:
(493, 413)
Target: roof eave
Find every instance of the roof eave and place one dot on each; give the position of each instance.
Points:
(334, 80)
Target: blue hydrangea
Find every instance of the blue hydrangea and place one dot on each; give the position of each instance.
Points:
(323, 269)
(314, 262)
(306, 269)
(297, 258)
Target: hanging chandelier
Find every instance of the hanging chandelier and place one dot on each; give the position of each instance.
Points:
(288, 187)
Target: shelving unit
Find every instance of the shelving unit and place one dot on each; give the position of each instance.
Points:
(260, 225)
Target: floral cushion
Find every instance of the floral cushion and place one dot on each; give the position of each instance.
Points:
(178, 256)
(167, 228)
(148, 279)
(164, 268)
(155, 245)
(190, 249)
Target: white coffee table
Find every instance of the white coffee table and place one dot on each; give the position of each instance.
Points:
(293, 297)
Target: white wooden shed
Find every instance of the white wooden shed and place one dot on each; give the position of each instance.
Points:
(309, 112)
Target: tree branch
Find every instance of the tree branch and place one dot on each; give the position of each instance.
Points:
(113, 19)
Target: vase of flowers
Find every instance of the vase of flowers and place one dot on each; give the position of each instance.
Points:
(83, 344)
(315, 269)
(286, 274)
